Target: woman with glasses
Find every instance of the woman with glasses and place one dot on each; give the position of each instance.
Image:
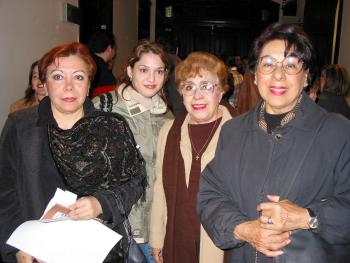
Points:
(278, 189)
(185, 146)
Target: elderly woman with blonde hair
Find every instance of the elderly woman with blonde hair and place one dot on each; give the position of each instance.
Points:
(185, 146)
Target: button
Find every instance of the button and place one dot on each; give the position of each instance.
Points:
(278, 136)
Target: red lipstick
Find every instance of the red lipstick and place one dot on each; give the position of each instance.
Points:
(278, 90)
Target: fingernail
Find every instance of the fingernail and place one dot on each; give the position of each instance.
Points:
(280, 252)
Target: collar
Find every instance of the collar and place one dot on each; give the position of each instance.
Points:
(137, 104)
(46, 115)
(285, 120)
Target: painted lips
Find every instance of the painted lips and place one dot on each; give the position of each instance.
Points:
(278, 91)
(199, 106)
(69, 99)
(150, 86)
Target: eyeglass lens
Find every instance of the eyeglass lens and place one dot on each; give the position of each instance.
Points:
(291, 65)
(189, 88)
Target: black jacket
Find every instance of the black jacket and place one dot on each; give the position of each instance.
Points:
(29, 177)
(334, 103)
(249, 164)
(103, 77)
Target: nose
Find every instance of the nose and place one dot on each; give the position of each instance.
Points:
(198, 93)
(151, 76)
(278, 73)
(68, 84)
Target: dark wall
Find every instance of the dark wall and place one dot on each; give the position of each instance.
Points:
(221, 27)
(144, 19)
(319, 22)
(95, 14)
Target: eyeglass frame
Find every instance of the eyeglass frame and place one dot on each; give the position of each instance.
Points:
(280, 62)
(202, 91)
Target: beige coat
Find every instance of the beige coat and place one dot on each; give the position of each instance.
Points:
(209, 253)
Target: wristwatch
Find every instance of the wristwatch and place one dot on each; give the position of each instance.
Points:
(313, 221)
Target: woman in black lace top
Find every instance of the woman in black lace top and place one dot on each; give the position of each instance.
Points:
(94, 152)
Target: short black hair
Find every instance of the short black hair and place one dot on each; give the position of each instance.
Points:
(295, 39)
(100, 40)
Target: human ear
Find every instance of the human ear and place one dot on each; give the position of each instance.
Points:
(129, 72)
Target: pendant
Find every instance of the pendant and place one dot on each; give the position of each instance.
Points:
(197, 157)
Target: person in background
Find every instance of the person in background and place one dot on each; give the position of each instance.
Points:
(280, 174)
(34, 93)
(64, 142)
(314, 90)
(173, 97)
(103, 47)
(335, 90)
(140, 99)
(237, 80)
(185, 146)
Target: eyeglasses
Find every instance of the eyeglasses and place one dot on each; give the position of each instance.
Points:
(291, 65)
(205, 87)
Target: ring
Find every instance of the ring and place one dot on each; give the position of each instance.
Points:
(269, 221)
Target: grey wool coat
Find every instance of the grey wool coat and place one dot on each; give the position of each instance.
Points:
(311, 171)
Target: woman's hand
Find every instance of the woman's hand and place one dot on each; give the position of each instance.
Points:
(268, 242)
(157, 255)
(283, 215)
(85, 208)
(23, 257)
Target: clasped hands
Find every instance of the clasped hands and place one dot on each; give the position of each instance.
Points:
(271, 232)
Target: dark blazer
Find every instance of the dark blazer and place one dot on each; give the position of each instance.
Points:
(249, 164)
(28, 176)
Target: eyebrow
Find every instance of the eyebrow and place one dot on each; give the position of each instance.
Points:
(60, 70)
(151, 67)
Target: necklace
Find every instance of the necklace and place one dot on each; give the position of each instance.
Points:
(198, 153)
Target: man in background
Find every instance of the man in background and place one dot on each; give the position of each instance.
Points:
(102, 46)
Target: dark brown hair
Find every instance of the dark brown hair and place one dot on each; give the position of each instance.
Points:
(335, 80)
(66, 50)
(197, 61)
(297, 44)
(29, 92)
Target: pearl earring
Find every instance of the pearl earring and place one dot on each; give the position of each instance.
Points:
(255, 82)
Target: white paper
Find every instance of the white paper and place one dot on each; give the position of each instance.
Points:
(67, 241)
(61, 197)
(87, 241)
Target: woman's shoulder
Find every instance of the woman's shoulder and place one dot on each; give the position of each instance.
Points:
(241, 122)
(337, 124)
(22, 120)
(106, 101)
(21, 104)
(99, 115)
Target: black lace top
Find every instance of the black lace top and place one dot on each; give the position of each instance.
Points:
(98, 156)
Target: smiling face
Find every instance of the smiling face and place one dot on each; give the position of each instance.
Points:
(203, 107)
(279, 90)
(40, 90)
(67, 84)
(147, 75)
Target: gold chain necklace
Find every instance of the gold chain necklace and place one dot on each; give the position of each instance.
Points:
(198, 153)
